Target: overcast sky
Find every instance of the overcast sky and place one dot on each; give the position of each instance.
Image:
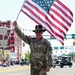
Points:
(9, 10)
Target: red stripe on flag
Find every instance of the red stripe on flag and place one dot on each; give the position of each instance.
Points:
(67, 10)
(60, 16)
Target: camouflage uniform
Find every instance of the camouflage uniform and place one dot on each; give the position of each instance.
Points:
(41, 52)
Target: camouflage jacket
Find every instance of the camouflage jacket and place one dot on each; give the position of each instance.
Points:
(41, 51)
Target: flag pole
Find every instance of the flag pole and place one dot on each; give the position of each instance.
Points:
(20, 10)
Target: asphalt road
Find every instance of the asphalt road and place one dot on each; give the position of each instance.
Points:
(25, 70)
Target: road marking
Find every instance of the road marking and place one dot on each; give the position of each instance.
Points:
(15, 69)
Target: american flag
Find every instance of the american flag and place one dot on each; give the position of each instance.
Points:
(53, 15)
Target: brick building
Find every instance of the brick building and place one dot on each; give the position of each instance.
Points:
(5, 42)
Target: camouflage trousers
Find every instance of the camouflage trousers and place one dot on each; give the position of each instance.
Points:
(35, 70)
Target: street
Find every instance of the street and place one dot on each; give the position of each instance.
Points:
(25, 70)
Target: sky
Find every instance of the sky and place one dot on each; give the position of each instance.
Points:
(9, 10)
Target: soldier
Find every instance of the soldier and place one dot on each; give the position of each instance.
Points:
(41, 50)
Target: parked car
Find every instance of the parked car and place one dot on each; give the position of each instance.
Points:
(66, 61)
(56, 62)
(63, 61)
(24, 62)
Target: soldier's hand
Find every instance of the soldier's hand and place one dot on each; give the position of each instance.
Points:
(15, 24)
(47, 69)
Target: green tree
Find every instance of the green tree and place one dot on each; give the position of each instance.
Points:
(27, 55)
